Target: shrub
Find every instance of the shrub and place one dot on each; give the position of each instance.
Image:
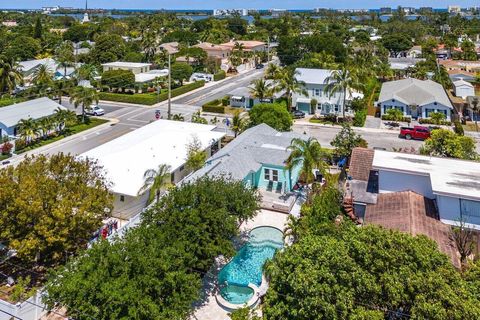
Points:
(20, 144)
(359, 118)
(220, 75)
(458, 128)
(6, 148)
(225, 101)
(390, 118)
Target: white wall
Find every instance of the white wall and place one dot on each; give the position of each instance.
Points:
(464, 91)
(389, 181)
(129, 207)
(25, 310)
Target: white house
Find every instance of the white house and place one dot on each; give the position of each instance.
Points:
(33, 109)
(315, 82)
(415, 98)
(135, 67)
(453, 184)
(463, 89)
(28, 68)
(241, 97)
(127, 158)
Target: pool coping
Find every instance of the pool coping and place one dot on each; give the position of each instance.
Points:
(231, 306)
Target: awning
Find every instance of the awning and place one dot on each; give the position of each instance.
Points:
(304, 100)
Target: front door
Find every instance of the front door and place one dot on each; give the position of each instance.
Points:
(414, 111)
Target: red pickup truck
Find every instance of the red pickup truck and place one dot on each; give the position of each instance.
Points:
(417, 132)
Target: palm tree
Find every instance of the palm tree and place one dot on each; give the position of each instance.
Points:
(178, 117)
(85, 97)
(156, 180)
(64, 118)
(307, 154)
(341, 81)
(238, 123)
(87, 72)
(42, 76)
(261, 89)
(10, 75)
(272, 71)
(28, 129)
(475, 110)
(46, 125)
(287, 81)
(64, 56)
(60, 88)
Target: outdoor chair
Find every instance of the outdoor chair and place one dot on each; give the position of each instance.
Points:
(279, 187)
(270, 186)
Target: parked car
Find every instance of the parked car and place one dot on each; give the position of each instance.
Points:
(260, 66)
(417, 132)
(95, 111)
(201, 76)
(298, 114)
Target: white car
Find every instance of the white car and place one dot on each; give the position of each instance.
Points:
(201, 76)
(95, 111)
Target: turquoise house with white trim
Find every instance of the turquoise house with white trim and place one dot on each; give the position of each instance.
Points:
(258, 158)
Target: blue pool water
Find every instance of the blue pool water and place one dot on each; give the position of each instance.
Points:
(247, 265)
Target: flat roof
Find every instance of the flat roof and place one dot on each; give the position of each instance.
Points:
(34, 109)
(126, 158)
(449, 177)
(126, 64)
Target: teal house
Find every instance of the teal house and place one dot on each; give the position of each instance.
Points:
(258, 158)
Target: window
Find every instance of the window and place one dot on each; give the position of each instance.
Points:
(182, 168)
(275, 175)
(122, 198)
(317, 92)
(266, 174)
(270, 175)
(470, 208)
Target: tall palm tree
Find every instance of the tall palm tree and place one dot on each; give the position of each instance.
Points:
(10, 75)
(64, 56)
(156, 180)
(475, 105)
(46, 124)
(61, 87)
(42, 76)
(87, 72)
(261, 89)
(307, 154)
(272, 71)
(28, 129)
(287, 81)
(341, 81)
(84, 97)
(238, 123)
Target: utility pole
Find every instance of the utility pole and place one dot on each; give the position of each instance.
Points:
(268, 49)
(169, 110)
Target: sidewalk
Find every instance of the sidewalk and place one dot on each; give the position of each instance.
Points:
(305, 122)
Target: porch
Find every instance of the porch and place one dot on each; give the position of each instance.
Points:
(278, 201)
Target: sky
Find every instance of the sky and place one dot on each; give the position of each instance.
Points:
(248, 4)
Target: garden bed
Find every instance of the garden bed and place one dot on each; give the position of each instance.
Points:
(149, 98)
(70, 131)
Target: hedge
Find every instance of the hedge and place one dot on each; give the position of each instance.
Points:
(149, 98)
(430, 121)
(360, 118)
(220, 75)
(388, 118)
(213, 109)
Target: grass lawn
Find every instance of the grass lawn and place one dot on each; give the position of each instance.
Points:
(4, 156)
(71, 131)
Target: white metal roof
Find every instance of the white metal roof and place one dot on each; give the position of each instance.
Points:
(26, 66)
(34, 109)
(450, 177)
(312, 76)
(126, 158)
(121, 64)
(462, 83)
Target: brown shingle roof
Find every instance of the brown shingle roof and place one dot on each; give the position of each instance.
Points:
(410, 212)
(361, 163)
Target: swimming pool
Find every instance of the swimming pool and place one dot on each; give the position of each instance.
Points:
(246, 267)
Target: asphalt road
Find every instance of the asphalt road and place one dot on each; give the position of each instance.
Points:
(375, 138)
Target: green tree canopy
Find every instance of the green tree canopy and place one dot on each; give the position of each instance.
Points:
(273, 114)
(120, 79)
(51, 205)
(445, 143)
(346, 140)
(181, 72)
(347, 272)
(397, 42)
(23, 48)
(108, 48)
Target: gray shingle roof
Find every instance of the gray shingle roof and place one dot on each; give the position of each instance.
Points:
(312, 76)
(254, 147)
(413, 91)
(35, 109)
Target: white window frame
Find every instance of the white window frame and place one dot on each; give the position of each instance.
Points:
(266, 174)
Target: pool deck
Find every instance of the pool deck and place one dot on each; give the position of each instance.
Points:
(208, 308)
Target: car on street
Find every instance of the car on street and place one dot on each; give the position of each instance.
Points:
(95, 111)
(201, 76)
(417, 133)
(298, 114)
(260, 66)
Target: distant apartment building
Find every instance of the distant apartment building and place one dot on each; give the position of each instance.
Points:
(454, 9)
(230, 12)
(277, 12)
(385, 10)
